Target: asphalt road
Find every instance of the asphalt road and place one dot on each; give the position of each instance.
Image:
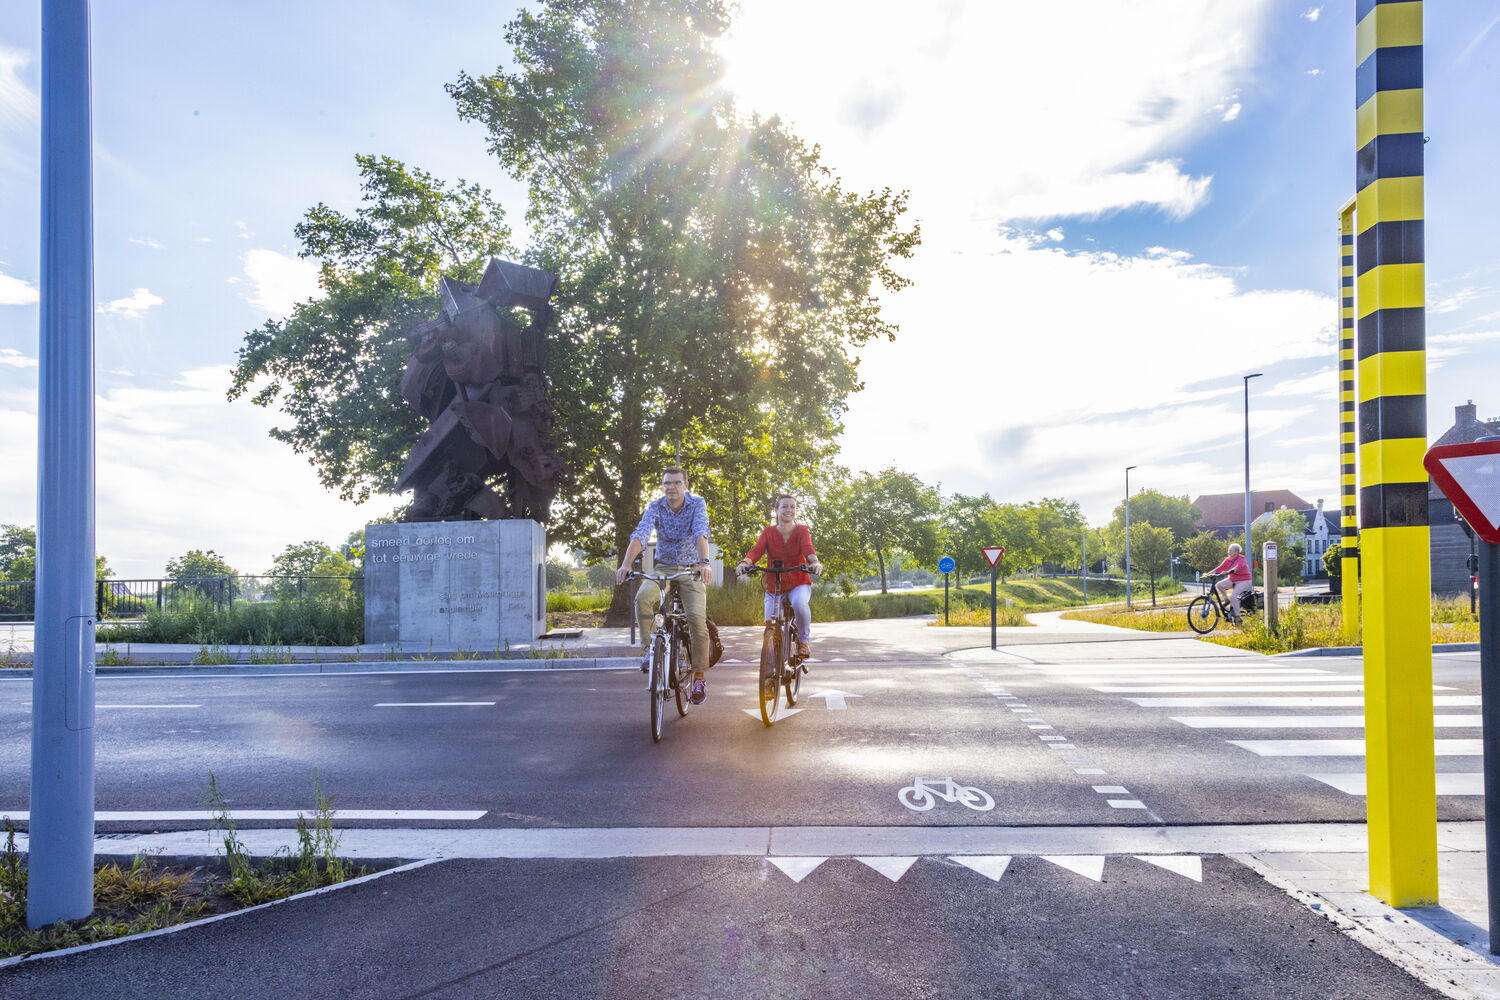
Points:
(1035, 726)
(1065, 726)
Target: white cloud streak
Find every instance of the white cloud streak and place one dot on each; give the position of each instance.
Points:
(17, 292)
(133, 306)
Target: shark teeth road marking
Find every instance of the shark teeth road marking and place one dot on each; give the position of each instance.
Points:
(1186, 865)
(797, 869)
(891, 868)
(991, 866)
(1451, 783)
(1346, 748)
(1087, 865)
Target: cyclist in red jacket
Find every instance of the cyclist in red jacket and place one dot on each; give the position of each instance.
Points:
(792, 544)
(1237, 572)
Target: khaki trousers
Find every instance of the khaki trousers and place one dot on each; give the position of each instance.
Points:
(694, 604)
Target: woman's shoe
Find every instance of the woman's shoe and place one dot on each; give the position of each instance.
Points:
(803, 651)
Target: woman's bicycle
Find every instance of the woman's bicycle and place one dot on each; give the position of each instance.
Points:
(667, 668)
(1204, 613)
(781, 669)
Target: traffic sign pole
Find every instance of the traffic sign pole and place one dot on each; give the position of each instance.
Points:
(946, 565)
(1489, 681)
(994, 634)
(945, 598)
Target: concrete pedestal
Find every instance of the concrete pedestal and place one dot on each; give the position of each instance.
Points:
(473, 585)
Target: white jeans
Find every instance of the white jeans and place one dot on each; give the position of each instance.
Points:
(798, 595)
(1239, 591)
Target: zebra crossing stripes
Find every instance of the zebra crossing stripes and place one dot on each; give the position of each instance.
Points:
(1309, 721)
(1326, 701)
(1346, 748)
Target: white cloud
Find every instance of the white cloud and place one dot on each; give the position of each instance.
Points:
(145, 243)
(278, 282)
(1314, 72)
(213, 478)
(20, 108)
(1159, 184)
(16, 292)
(1457, 300)
(133, 306)
(1073, 360)
(978, 121)
(1312, 13)
(12, 358)
(1232, 112)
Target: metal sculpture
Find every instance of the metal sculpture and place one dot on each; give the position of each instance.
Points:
(476, 375)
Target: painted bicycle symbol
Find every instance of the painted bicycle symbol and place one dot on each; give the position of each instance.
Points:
(922, 794)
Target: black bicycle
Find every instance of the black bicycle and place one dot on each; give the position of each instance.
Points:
(666, 667)
(781, 669)
(1205, 612)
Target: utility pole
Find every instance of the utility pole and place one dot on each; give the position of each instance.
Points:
(1249, 553)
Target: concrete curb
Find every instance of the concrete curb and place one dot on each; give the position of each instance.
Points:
(362, 667)
(1437, 647)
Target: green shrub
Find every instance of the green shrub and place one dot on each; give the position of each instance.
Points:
(320, 620)
(558, 600)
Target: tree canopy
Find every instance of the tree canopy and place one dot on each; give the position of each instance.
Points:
(715, 276)
(868, 519)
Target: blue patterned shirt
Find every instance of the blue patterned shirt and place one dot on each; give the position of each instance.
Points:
(676, 530)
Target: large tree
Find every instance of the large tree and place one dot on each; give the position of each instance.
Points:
(716, 278)
(715, 275)
(1153, 507)
(1151, 550)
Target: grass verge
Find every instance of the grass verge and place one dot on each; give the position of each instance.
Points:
(149, 893)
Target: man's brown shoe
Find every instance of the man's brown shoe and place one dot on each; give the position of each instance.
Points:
(802, 650)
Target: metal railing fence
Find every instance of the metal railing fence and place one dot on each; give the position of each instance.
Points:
(116, 600)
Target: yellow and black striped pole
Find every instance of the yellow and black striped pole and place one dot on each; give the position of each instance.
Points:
(1392, 368)
(1349, 533)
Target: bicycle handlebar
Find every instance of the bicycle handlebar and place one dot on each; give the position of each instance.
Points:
(638, 575)
(804, 568)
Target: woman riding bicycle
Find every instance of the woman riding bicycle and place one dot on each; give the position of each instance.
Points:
(1237, 576)
(791, 544)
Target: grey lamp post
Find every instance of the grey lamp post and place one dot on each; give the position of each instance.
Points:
(1127, 537)
(1249, 553)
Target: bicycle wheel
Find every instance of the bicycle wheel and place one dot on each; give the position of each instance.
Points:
(680, 674)
(770, 675)
(793, 683)
(976, 798)
(658, 690)
(1203, 614)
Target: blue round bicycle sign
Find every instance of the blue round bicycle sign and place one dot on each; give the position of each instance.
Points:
(946, 564)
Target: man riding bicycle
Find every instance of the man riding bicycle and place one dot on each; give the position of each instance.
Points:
(1237, 576)
(680, 521)
(791, 544)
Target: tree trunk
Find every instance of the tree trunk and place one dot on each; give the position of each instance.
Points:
(625, 516)
(1153, 590)
(880, 557)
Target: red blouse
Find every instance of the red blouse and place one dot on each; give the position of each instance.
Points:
(793, 550)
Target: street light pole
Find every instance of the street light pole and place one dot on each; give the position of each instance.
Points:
(1249, 553)
(61, 885)
(1127, 537)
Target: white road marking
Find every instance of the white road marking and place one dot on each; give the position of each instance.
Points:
(1347, 748)
(1087, 865)
(1222, 688)
(205, 816)
(1126, 804)
(1133, 669)
(1063, 746)
(891, 868)
(27, 705)
(834, 700)
(1330, 701)
(797, 869)
(433, 704)
(1195, 675)
(1051, 736)
(1462, 783)
(1110, 789)
(1309, 721)
(1037, 725)
(991, 866)
(1088, 770)
(786, 713)
(1186, 865)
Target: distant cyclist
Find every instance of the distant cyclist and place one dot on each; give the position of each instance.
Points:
(791, 544)
(680, 520)
(1237, 576)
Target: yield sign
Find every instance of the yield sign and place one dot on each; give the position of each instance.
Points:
(1469, 475)
(992, 553)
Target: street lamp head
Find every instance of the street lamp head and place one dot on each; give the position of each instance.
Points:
(1247, 378)
(1129, 467)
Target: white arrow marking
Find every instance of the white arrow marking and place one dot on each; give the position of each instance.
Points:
(797, 869)
(891, 868)
(1087, 865)
(991, 866)
(786, 713)
(1186, 865)
(835, 699)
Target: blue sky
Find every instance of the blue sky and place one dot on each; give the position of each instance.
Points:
(1125, 208)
